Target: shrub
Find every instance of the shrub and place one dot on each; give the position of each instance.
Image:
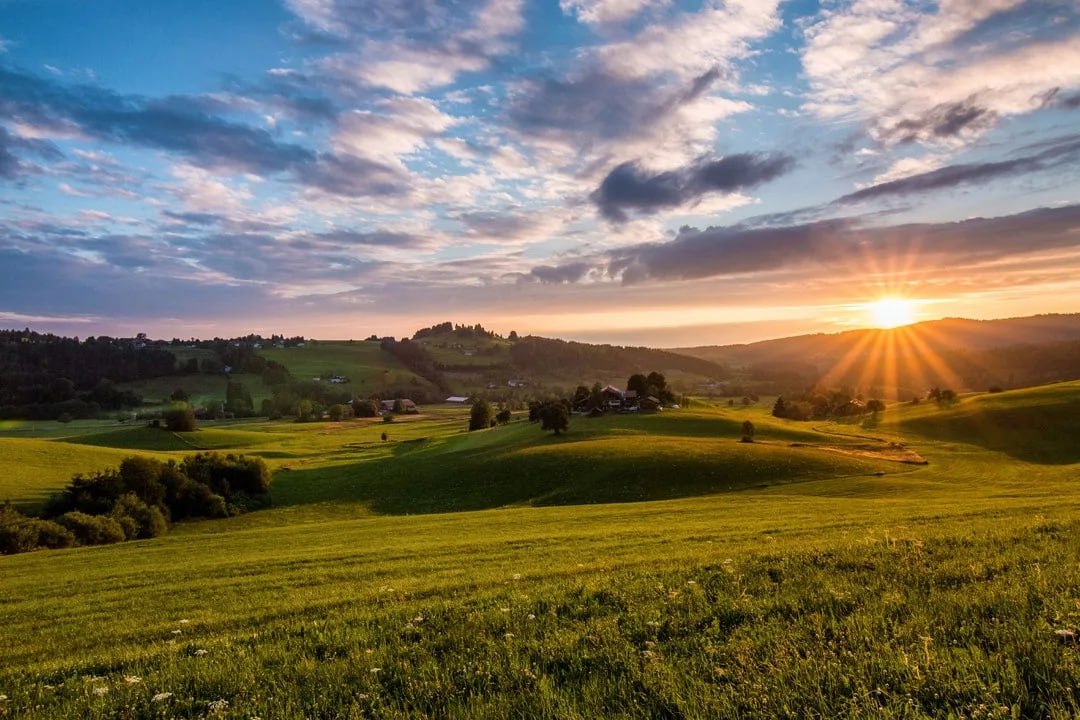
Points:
(92, 529)
(138, 519)
(503, 416)
(388, 418)
(340, 412)
(747, 432)
(180, 418)
(480, 415)
(365, 408)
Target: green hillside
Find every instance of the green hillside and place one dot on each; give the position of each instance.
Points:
(761, 580)
(368, 368)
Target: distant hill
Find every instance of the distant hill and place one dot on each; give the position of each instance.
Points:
(960, 353)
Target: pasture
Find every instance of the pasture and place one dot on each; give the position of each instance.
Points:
(638, 566)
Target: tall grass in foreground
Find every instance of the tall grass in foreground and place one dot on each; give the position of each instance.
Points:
(961, 626)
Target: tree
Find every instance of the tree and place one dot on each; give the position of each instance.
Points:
(554, 416)
(304, 410)
(238, 399)
(365, 408)
(875, 406)
(947, 397)
(747, 432)
(778, 408)
(180, 418)
(480, 415)
(513, 336)
(339, 412)
(639, 384)
(503, 416)
(179, 395)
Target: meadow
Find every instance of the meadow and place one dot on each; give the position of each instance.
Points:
(638, 566)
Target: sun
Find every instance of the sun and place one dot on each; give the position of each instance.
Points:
(891, 312)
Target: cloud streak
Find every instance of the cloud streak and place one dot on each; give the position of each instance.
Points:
(630, 188)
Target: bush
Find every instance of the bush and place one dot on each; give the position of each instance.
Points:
(180, 418)
(480, 415)
(388, 418)
(92, 529)
(138, 519)
(19, 533)
(503, 416)
(365, 408)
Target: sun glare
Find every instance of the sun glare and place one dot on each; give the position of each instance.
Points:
(891, 312)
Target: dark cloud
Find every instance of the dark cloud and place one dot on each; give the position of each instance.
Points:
(740, 250)
(194, 218)
(1069, 102)
(630, 187)
(559, 274)
(600, 106)
(1055, 154)
(943, 121)
(185, 126)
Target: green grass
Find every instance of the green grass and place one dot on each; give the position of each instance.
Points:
(33, 469)
(363, 362)
(776, 581)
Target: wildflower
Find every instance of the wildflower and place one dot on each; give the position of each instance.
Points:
(517, 576)
(505, 610)
(3, 698)
(184, 621)
(648, 654)
(376, 670)
(650, 644)
(691, 582)
(161, 696)
(132, 679)
(418, 619)
(369, 651)
(727, 561)
(176, 632)
(101, 690)
(218, 706)
(531, 616)
(509, 636)
(200, 652)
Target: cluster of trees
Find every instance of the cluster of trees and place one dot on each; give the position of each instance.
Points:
(654, 384)
(818, 405)
(552, 415)
(482, 415)
(944, 397)
(139, 499)
(543, 354)
(44, 376)
(476, 331)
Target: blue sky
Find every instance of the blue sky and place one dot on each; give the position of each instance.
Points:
(660, 173)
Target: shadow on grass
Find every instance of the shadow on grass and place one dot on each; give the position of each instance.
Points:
(421, 476)
(1047, 434)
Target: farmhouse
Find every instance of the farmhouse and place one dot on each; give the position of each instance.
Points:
(406, 406)
(457, 399)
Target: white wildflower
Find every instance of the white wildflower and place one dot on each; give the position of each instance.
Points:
(218, 706)
(691, 582)
(376, 670)
(517, 576)
(505, 610)
(176, 632)
(161, 696)
(200, 652)
(100, 690)
(132, 679)
(3, 698)
(509, 636)
(184, 621)
(531, 616)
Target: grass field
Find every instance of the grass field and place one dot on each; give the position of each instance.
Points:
(201, 389)
(639, 566)
(368, 368)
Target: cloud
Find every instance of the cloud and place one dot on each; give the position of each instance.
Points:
(11, 146)
(938, 74)
(184, 126)
(735, 250)
(560, 274)
(1062, 152)
(630, 187)
(415, 45)
(603, 12)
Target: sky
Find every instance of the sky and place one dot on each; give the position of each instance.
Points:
(659, 173)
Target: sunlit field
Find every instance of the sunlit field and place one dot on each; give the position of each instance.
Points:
(637, 566)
